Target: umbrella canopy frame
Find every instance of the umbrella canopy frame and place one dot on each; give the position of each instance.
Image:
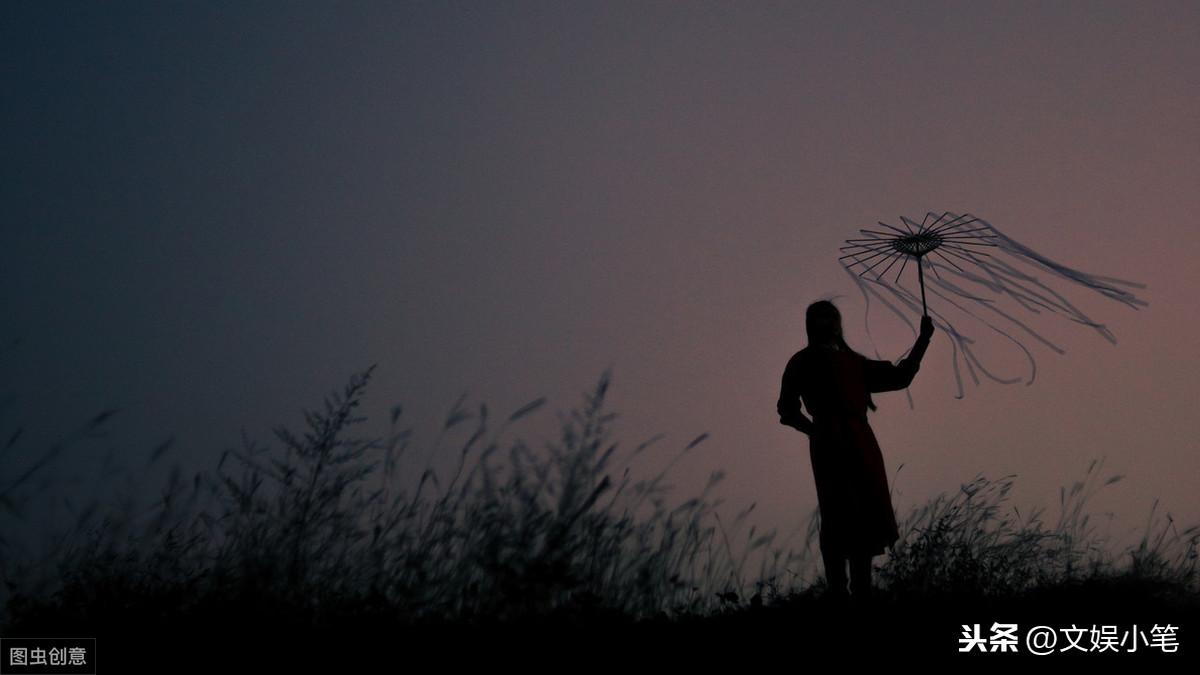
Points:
(975, 259)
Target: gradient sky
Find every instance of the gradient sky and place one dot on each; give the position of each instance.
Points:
(215, 213)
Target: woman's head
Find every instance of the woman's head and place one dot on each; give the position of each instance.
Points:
(823, 322)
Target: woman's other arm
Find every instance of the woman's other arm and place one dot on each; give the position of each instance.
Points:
(789, 398)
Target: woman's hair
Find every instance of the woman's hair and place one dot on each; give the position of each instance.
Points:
(823, 322)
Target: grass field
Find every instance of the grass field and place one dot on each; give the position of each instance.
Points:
(314, 540)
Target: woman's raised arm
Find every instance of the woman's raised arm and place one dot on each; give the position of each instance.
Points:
(886, 376)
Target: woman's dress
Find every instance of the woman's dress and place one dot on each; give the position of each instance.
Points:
(857, 517)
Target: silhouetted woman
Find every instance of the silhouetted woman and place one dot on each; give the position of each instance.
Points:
(835, 384)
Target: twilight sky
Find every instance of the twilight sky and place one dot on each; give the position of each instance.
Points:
(214, 213)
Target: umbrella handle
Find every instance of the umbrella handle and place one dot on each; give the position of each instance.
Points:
(921, 279)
